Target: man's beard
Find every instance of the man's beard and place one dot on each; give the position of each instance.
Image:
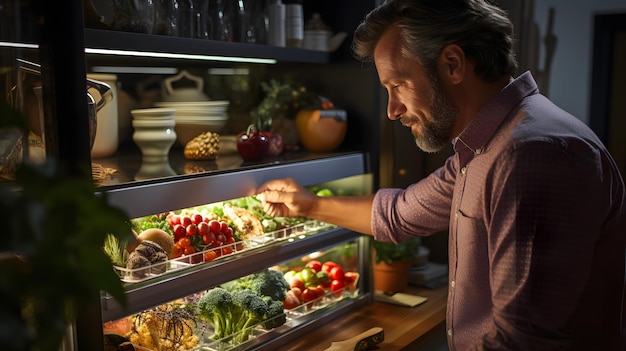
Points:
(435, 134)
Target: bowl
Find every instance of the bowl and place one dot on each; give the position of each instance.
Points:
(196, 107)
(153, 113)
(321, 130)
(187, 130)
(201, 118)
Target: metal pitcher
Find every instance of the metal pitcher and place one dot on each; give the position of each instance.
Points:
(98, 95)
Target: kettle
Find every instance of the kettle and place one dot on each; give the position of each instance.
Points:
(95, 102)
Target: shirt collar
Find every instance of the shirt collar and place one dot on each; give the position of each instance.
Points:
(473, 140)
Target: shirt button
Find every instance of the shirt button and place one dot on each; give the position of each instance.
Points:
(479, 151)
(449, 332)
(464, 170)
(452, 284)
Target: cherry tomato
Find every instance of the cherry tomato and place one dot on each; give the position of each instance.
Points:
(220, 237)
(336, 273)
(185, 221)
(328, 265)
(223, 226)
(337, 287)
(315, 265)
(229, 232)
(215, 226)
(308, 295)
(210, 237)
(191, 229)
(189, 250)
(203, 228)
(206, 240)
(173, 219)
(196, 218)
(179, 232)
(350, 277)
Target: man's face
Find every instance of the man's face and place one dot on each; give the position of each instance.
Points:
(416, 99)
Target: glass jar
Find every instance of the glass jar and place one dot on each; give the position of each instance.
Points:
(186, 19)
(202, 22)
(221, 21)
(166, 19)
(134, 15)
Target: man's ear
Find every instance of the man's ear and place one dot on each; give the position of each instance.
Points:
(452, 63)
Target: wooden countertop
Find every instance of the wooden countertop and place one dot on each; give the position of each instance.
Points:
(406, 328)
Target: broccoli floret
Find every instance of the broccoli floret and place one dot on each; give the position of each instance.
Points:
(275, 315)
(266, 283)
(273, 284)
(251, 309)
(235, 312)
(216, 306)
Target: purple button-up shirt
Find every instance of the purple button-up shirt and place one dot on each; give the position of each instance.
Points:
(536, 212)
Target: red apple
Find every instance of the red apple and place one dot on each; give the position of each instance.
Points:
(252, 145)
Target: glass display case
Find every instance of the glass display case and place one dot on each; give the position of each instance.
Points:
(287, 247)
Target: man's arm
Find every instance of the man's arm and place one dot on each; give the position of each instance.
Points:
(285, 197)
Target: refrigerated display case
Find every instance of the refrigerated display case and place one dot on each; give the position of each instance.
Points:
(66, 51)
(345, 174)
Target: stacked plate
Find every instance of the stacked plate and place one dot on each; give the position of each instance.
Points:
(194, 118)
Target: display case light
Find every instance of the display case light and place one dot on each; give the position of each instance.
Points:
(171, 55)
(18, 45)
(167, 55)
(134, 69)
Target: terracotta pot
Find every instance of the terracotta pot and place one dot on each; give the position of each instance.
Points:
(392, 277)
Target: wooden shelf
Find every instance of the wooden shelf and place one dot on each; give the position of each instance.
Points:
(405, 328)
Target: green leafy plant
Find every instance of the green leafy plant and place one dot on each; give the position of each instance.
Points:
(390, 252)
(52, 260)
(281, 100)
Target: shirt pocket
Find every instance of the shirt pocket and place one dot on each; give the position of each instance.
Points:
(470, 231)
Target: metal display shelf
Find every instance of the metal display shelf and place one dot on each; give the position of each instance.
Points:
(116, 40)
(162, 195)
(201, 276)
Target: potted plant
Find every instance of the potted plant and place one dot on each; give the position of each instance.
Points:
(392, 263)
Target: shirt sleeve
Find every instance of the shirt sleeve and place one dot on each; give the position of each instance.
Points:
(421, 209)
(546, 213)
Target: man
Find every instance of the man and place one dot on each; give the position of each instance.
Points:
(534, 204)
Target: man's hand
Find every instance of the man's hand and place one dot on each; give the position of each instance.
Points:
(286, 198)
